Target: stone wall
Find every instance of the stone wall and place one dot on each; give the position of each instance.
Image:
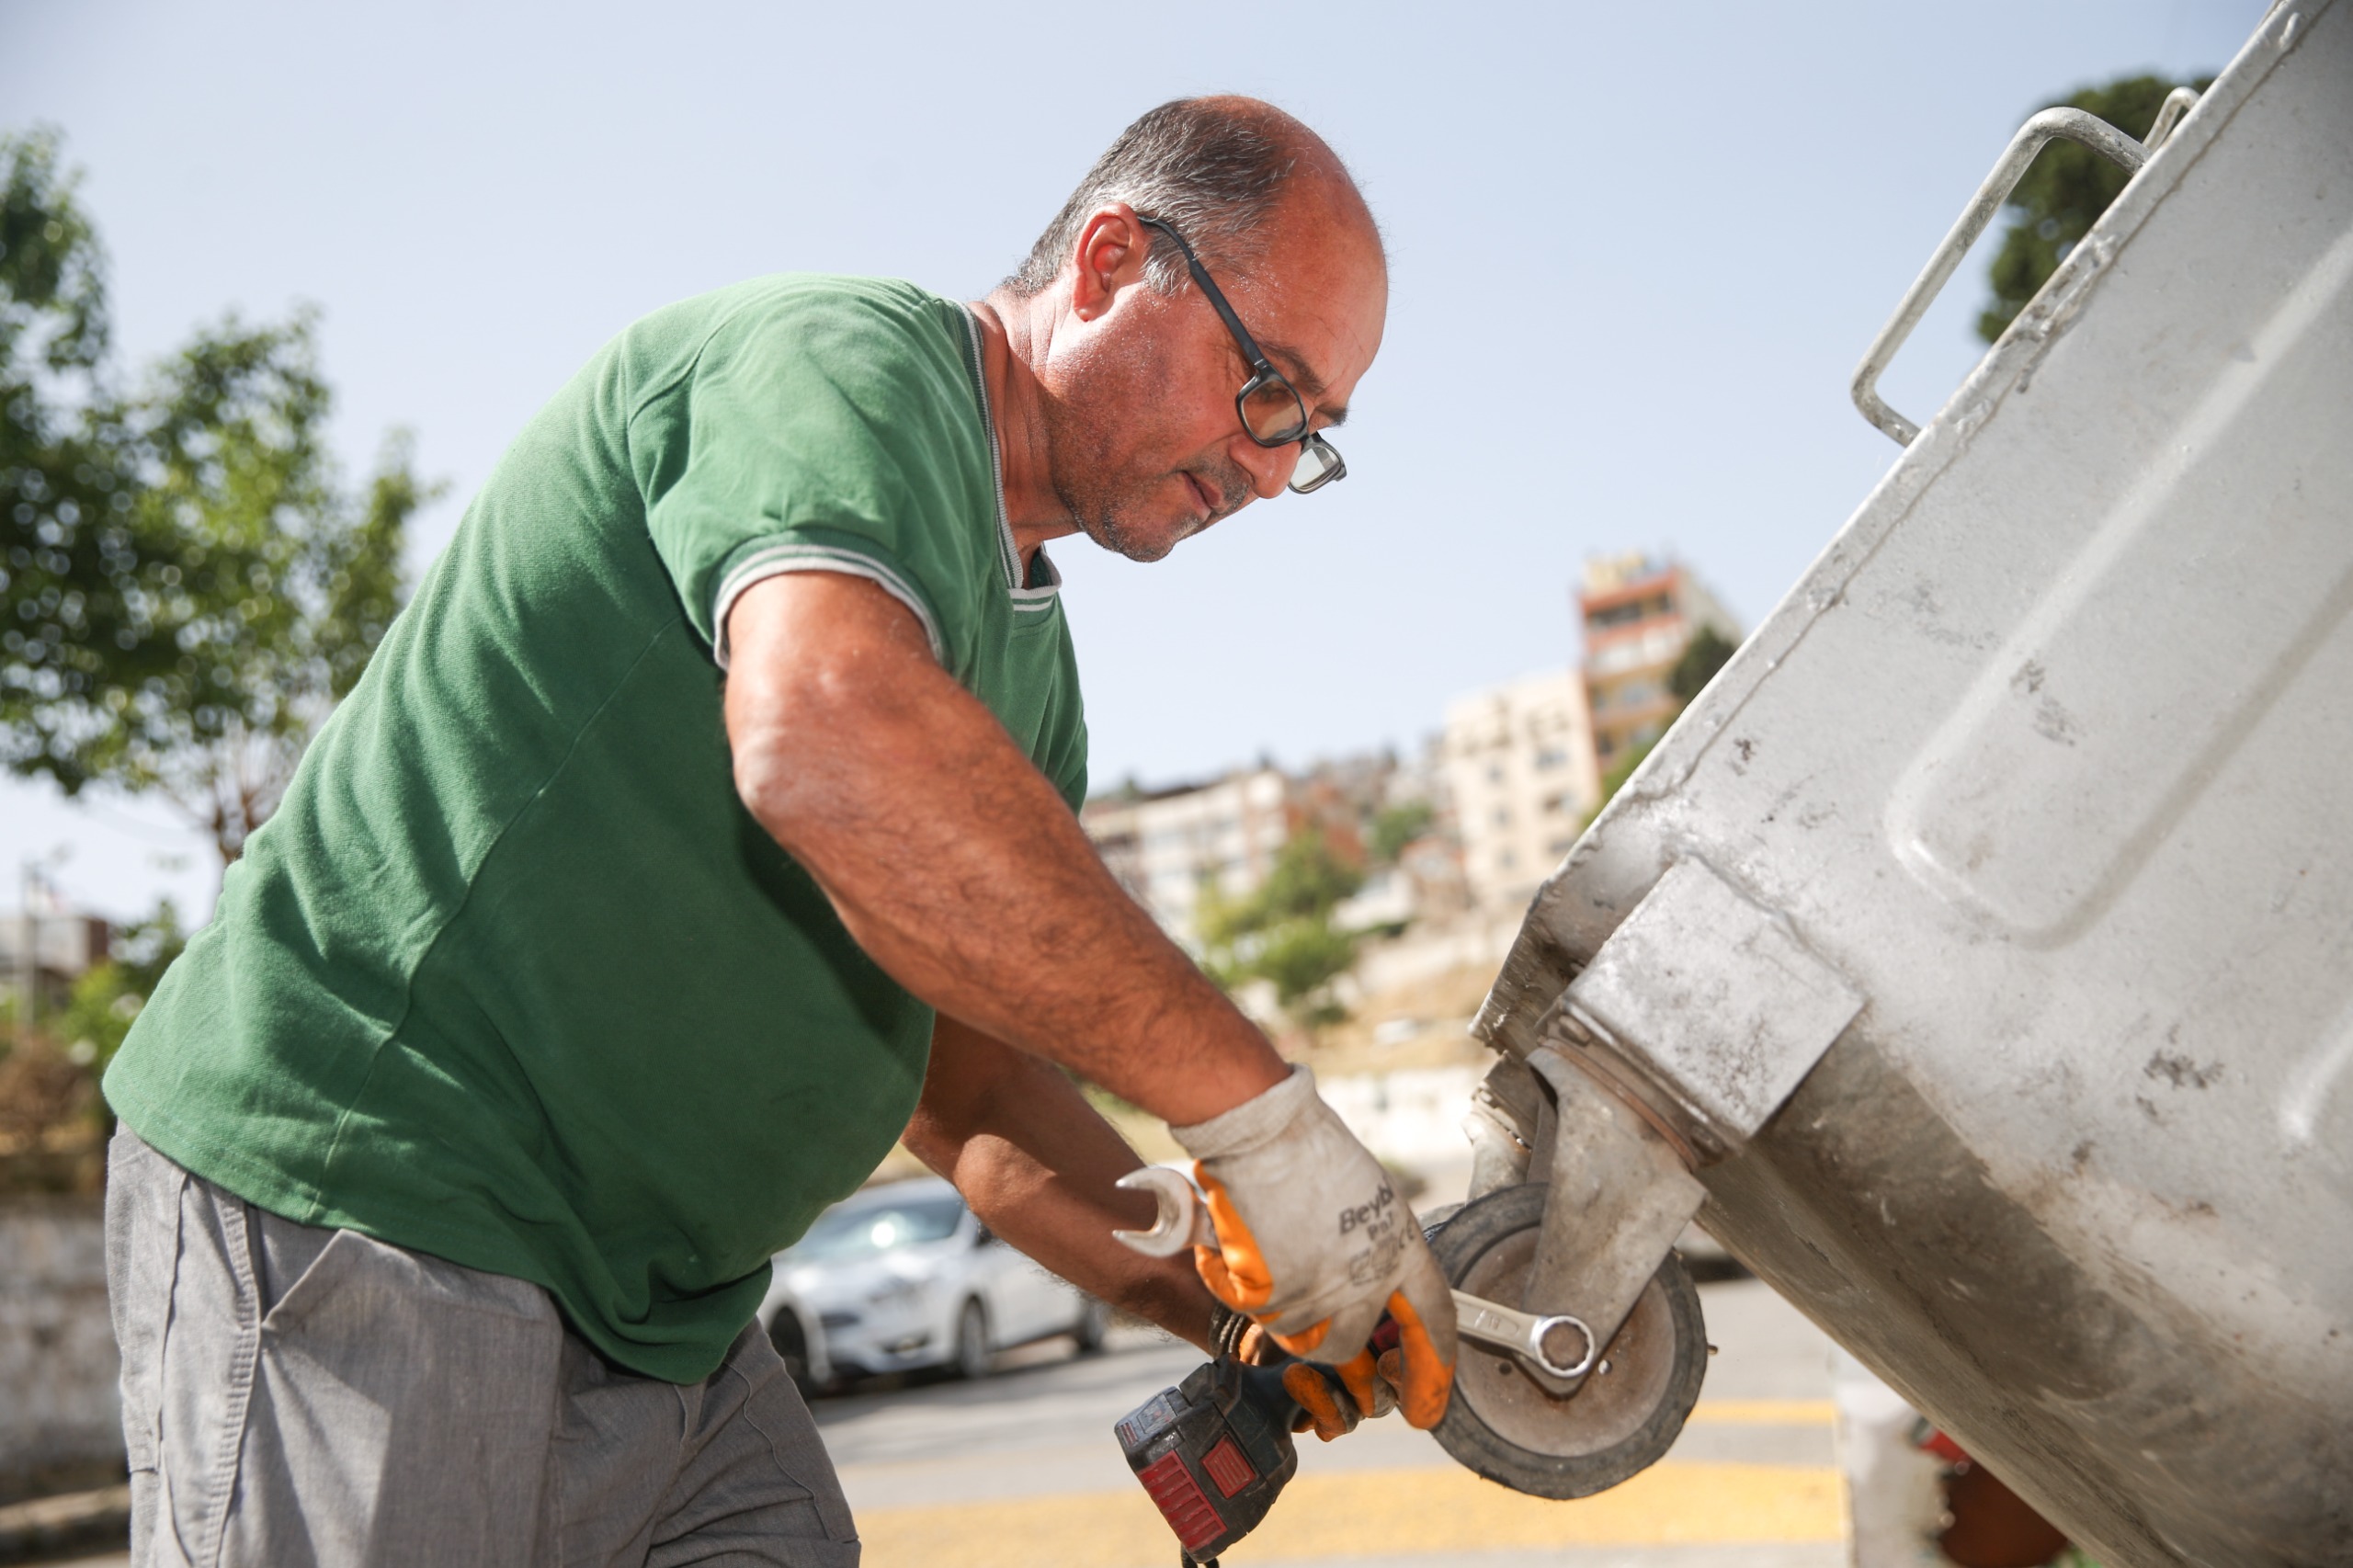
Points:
(60, 1415)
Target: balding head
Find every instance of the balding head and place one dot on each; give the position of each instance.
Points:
(1220, 170)
(1126, 417)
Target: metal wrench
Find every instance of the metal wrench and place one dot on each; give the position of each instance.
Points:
(1184, 1221)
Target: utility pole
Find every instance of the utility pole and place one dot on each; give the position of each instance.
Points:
(28, 938)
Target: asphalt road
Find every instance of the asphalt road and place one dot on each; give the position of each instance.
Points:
(1021, 1471)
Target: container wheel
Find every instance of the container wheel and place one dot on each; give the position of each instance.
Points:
(1503, 1425)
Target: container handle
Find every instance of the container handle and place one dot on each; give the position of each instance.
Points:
(2179, 102)
(2071, 123)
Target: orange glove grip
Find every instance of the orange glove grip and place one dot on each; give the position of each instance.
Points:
(1428, 1380)
(1234, 1270)
(1318, 1402)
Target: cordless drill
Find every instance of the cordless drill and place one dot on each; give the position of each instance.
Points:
(1213, 1452)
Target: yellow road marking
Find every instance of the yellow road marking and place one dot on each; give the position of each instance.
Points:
(1764, 1412)
(1364, 1513)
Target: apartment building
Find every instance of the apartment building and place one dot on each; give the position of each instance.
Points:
(1519, 766)
(1638, 616)
(1163, 846)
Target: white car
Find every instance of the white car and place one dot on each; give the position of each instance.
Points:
(793, 1328)
(903, 1277)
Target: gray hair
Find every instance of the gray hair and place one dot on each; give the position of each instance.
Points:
(1212, 169)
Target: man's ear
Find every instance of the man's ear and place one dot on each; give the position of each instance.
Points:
(1110, 255)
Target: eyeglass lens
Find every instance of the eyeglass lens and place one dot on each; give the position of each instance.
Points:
(1273, 413)
(1319, 464)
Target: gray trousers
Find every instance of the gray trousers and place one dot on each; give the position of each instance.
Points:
(300, 1396)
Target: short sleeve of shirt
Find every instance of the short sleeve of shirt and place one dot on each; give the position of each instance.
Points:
(820, 425)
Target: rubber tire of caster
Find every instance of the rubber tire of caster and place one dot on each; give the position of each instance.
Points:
(1603, 1434)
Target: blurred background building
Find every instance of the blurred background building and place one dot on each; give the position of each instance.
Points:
(1519, 761)
(1166, 845)
(45, 947)
(1638, 616)
(1480, 815)
(1173, 847)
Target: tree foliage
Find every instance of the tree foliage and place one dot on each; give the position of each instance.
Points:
(1708, 652)
(1395, 827)
(185, 587)
(2066, 189)
(1620, 772)
(1284, 933)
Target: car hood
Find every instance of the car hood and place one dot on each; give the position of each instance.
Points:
(857, 1279)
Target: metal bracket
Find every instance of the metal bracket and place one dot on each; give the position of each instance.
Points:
(2071, 123)
(1711, 1002)
(1617, 1194)
(1692, 1024)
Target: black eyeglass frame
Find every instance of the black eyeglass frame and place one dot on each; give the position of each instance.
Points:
(1262, 372)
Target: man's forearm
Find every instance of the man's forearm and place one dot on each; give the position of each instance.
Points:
(953, 862)
(1038, 1165)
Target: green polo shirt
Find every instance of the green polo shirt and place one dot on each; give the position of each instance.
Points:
(512, 977)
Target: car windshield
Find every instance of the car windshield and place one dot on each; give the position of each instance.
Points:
(873, 1228)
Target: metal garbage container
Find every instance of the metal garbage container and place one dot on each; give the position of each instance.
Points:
(1983, 934)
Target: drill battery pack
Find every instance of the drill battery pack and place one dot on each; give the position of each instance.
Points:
(1213, 1452)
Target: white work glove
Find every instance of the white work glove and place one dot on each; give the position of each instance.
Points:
(1314, 1245)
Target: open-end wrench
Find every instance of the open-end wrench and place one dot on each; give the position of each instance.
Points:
(1184, 1221)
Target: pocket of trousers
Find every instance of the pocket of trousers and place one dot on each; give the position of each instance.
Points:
(345, 1252)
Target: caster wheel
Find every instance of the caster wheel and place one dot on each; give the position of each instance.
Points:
(1503, 1425)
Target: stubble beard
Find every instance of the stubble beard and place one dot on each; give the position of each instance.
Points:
(1095, 477)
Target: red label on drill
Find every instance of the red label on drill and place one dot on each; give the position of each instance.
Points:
(1225, 1465)
(1180, 1500)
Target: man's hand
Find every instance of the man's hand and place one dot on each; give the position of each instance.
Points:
(1040, 1167)
(1334, 1400)
(959, 869)
(1314, 1245)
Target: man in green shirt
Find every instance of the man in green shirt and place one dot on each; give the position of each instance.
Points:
(705, 824)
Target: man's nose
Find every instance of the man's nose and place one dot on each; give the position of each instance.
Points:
(1269, 468)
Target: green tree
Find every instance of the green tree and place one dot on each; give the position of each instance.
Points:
(1708, 652)
(279, 589)
(186, 588)
(1284, 933)
(1394, 827)
(78, 574)
(2066, 189)
(1620, 771)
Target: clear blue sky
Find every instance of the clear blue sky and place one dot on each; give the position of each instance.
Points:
(1637, 252)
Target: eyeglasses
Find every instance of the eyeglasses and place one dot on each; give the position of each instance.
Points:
(1273, 413)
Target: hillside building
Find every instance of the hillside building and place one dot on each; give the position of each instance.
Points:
(1164, 846)
(1519, 767)
(1638, 616)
